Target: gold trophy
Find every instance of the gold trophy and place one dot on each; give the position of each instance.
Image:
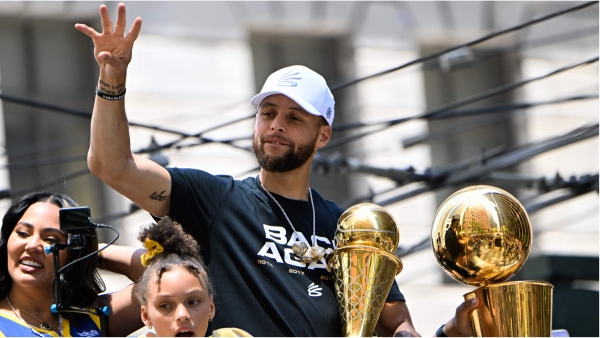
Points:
(481, 236)
(364, 266)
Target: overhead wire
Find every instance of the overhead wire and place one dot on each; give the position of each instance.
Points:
(74, 112)
(520, 46)
(492, 35)
(347, 126)
(497, 108)
(591, 181)
(427, 114)
(448, 110)
(586, 184)
(461, 172)
(458, 103)
(511, 106)
(467, 112)
(451, 177)
(333, 88)
(487, 37)
(458, 127)
(79, 113)
(336, 87)
(425, 241)
(507, 107)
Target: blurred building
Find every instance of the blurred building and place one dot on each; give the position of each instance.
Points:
(196, 65)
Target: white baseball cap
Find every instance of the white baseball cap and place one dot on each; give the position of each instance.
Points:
(304, 86)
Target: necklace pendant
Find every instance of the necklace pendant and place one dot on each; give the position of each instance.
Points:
(299, 248)
(307, 254)
(45, 326)
(315, 253)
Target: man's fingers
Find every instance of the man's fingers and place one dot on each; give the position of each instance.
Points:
(135, 30)
(467, 307)
(121, 20)
(105, 18)
(86, 30)
(460, 325)
(473, 304)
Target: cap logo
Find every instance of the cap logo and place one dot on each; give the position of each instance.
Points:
(288, 79)
(328, 113)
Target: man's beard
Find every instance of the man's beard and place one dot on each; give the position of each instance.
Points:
(289, 161)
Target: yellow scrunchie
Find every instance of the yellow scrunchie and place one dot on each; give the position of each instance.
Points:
(152, 249)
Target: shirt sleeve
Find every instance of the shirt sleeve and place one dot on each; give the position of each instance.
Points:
(395, 294)
(195, 197)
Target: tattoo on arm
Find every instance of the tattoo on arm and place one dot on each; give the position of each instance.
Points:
(110, 89)
(158, 196)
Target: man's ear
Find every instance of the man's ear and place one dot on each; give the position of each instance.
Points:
(324, 136)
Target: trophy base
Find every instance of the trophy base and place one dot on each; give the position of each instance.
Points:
(513, 309)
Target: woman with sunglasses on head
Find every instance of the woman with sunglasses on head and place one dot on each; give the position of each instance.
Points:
(27, 276)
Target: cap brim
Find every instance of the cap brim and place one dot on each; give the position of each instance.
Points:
(257, 99)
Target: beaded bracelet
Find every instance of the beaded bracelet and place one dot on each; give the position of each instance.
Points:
(440, 332)
(110, 97)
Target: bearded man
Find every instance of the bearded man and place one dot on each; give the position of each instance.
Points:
(263, 238)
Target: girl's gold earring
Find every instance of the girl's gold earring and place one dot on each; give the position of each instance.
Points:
(209, 319)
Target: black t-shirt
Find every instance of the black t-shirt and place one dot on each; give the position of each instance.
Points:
(246, 241)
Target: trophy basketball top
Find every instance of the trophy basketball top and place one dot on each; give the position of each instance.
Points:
(481, 235)
(367, 224)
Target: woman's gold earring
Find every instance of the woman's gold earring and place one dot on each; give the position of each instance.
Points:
(150, 326)
(209, 319)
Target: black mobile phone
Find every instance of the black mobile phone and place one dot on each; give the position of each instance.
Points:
(73, 219)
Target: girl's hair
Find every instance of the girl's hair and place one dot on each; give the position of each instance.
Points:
(81, 282)
(180, 249)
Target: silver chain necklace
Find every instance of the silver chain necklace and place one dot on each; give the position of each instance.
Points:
(43, 324)
(305, 253)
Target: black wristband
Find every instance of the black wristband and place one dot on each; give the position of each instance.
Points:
(110, 97)
(440, 332)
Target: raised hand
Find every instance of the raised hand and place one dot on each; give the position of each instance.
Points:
(112, 48)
